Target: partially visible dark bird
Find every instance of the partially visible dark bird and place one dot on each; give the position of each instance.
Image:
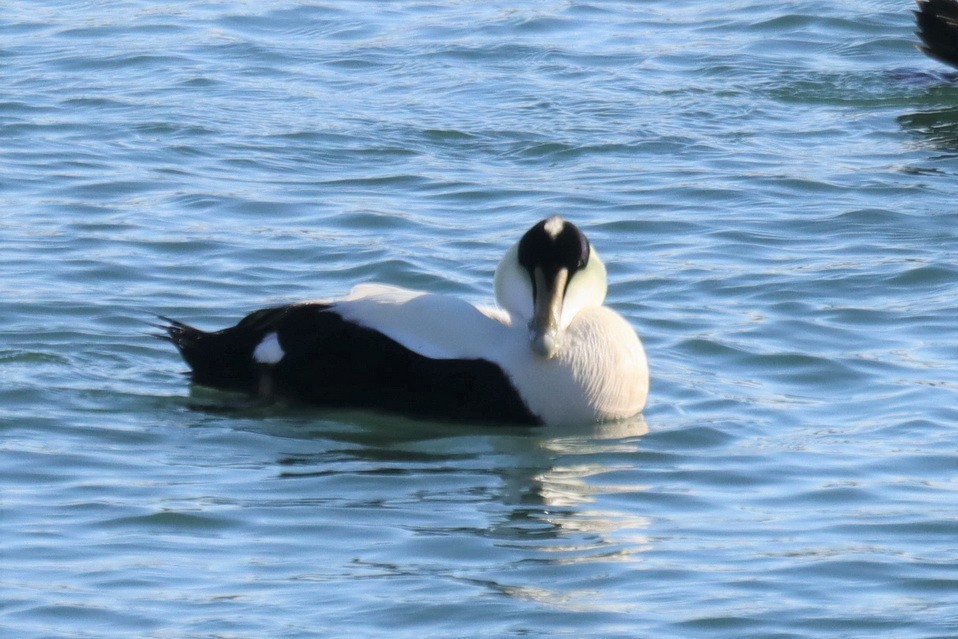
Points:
(938, 29)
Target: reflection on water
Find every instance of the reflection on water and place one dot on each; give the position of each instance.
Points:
(606, 431)
(553, 513)
(937, 127)
(538, 497)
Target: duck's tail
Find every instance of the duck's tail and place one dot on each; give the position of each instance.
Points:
(222, 359)
(938, 29)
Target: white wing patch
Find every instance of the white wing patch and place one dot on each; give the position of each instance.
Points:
(269, 351)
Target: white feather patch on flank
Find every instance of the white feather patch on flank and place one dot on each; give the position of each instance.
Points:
(269, 351)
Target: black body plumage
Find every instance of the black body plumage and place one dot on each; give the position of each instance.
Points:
(938, 29)
(330, 362)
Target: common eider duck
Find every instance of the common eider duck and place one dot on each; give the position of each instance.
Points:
(938, 29)
(551, 353)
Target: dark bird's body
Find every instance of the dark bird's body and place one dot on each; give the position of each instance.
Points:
(938, 29)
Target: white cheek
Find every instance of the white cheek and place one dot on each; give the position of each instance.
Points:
(269, 351)
(517, 299)
(586, 289)
(513, 287)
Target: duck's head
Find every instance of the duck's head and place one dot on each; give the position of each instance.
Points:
(546, 278)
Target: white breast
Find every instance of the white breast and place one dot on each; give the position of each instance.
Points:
(600, 374)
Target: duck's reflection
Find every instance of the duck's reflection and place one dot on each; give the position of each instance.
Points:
(558, 487)
(937, 127)
(525, 512)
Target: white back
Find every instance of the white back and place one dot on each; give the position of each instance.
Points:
(436, 326)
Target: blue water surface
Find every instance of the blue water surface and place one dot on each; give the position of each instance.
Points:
(773, 187)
